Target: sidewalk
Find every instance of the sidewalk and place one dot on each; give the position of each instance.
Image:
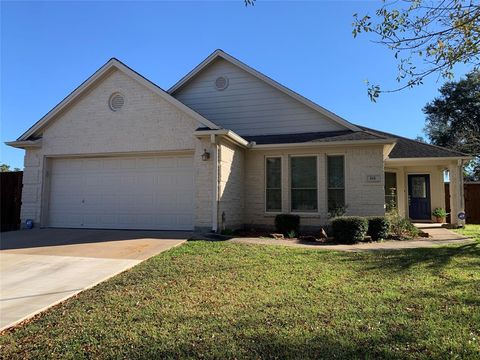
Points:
(439, 236)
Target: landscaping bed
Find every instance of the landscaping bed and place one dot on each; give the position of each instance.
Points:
(223, 300)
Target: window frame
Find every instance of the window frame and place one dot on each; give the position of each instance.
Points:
(327, 155)
(317, 183)
(266, 184)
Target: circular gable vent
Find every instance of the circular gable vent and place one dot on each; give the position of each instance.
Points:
(116, 101)
(221, 83)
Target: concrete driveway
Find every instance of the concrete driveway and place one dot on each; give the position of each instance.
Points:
(40, 268)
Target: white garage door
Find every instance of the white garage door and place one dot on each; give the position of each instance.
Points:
(148, 192)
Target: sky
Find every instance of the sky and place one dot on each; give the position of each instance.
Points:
(49, 48)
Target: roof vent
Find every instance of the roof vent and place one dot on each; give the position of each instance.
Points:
(221, 83)
(116, 101)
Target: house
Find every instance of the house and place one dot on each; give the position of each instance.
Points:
(225, 147)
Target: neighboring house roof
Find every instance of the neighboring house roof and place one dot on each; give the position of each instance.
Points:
(408, 148)
(221, 54)
(92, 80)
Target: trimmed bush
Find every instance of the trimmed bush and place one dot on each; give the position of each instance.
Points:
(378, 227)
(349, 229)
(286, 223)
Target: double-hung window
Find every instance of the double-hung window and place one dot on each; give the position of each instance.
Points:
(303, 183)
(336, 182)
(273, 184)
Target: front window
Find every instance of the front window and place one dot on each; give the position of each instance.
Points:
(336, 183)
(274, 184)
(303, 183)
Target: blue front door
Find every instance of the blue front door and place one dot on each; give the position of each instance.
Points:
(419, 197)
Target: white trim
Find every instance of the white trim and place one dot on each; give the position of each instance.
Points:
(421, 159)
(229, 134)
(221, 54)
(105, 69)
(25, 144)
(324, 144)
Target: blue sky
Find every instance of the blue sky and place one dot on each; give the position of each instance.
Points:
(49, 48)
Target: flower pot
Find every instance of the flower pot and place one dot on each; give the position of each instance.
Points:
(440, 220)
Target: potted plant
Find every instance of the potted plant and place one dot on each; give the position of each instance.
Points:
(440, 214)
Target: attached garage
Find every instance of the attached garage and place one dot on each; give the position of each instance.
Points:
(145, 192)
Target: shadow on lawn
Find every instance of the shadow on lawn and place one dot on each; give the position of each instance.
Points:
(433, 258)
(273, 346)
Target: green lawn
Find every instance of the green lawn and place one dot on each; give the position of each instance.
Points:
(472, 231)
(223, 300)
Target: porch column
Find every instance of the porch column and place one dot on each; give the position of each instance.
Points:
(456, 192)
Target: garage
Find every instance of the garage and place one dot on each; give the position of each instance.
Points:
(144, 192)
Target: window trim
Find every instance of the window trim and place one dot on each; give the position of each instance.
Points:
(327, 188)
(265, 184)
(299, 212)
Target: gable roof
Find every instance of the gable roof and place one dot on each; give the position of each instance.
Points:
(408, 148)
(223, 55)
(111, 64)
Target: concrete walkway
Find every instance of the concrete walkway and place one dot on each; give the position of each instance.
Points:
(40, 268)
(438, 236)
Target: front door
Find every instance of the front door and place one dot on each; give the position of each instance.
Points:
(419, 197)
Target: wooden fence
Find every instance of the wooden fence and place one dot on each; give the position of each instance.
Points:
(472, 202)
(10, 199)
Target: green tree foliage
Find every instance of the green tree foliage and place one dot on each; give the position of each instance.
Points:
(453, 119)
(6, 168)
(436, 35)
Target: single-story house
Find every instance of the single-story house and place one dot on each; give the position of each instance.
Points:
(225, 147)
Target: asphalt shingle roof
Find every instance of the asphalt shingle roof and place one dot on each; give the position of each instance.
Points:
(408, 148)
(316, 137)
(404, 148)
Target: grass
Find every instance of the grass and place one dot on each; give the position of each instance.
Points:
(470, 230)
(223, 300)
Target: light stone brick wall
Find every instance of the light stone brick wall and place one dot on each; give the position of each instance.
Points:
(146, 123)
(231, 186)
(362, 197)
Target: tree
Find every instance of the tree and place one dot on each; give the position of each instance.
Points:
(436, 34)
(453, 119)
(6, 168)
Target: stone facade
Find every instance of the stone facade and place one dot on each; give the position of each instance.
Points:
(231, 186)
(145, 124)
(362, 197)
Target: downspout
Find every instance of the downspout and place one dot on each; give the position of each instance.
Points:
(213, 140)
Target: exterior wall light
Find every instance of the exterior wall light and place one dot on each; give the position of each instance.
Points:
(205, 155)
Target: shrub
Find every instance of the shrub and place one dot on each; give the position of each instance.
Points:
(440, 213)
(349, 229)
(400, 227)
(227, 232)
(378, 227)
(286, 223)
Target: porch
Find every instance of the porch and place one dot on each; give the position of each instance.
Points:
(417, 186)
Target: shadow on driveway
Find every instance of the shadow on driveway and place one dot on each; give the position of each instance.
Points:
(35, 238)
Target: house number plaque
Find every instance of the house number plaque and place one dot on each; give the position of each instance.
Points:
(373, 178)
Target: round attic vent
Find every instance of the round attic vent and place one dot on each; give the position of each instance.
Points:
(116, 101)
(221, 83)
